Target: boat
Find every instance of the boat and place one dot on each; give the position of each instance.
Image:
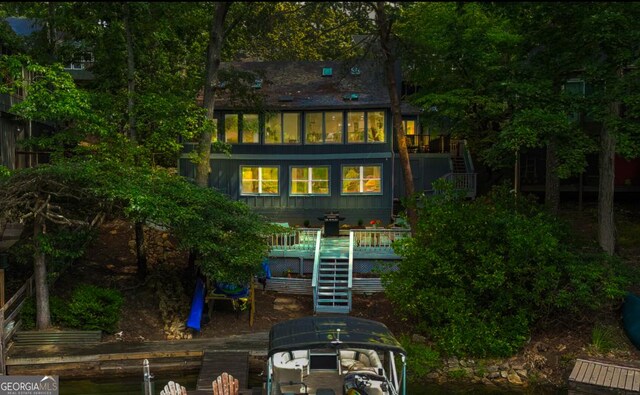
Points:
(331, 355)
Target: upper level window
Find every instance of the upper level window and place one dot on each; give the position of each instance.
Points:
(323, 127)
(355, 127)
(309, 180)
(250, 129)
(409, 127)
(282, 128)
(375, 127)
(362, 179)
(257, 180)
(231, 128)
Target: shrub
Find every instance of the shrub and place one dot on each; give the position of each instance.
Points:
(28, 313)
(483, 272)
(421, 359)
(93, 308)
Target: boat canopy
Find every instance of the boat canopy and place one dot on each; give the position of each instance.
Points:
(321, 332)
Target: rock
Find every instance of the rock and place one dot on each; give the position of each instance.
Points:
(492, 368)
(433, 376)
(284, 301)
(486, 381)
(493, 375)
(463, 363)
(513, 378)
(517, 366)
(453, 362)
(418, 338)
(504, 374)
(278, 307)
(522, 373)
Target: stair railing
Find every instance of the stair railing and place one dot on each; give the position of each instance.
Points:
(316, 269)
(376, 240)
(350, 272)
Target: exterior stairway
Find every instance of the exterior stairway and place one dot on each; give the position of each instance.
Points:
(333, 294)
(458, 164)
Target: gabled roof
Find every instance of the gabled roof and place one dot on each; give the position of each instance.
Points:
(301, 85)
(321, 332)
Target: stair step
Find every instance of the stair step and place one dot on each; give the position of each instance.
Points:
(333, 301)
(333, 293)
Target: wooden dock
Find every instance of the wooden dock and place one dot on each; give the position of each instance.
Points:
(215, 363)
(599, 377)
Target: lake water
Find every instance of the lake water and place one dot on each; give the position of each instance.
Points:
(133, 386)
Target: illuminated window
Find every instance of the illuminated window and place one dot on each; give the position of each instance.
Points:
(272, 129)
(375, 127)
(313, 128)
(291, 127)
(362, 179)
(250, 129)
(259, 180)
(333, 122)
(231, 128)
(355, 127)
(309, 180)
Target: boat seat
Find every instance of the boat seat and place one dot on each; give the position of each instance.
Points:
(360, 361)
(289, 367)
(325, 391)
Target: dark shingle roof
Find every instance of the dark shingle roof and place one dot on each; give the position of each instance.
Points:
(304, 84)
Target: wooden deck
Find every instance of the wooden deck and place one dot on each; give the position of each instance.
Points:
(604, 377)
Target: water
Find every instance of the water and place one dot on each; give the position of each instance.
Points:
(133, 386)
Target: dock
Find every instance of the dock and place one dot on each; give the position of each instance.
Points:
(215, 363)
(603, 378)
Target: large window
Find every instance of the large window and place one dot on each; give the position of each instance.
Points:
(323, 127)
(313, 128)
(310, 180)
(375, 127)
(231, 128)
(355, 127)
(259, 180)
(282, 128)
(362, 179)
(333, 122)
(250, 129)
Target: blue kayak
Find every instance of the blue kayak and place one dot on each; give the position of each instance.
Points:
(631, 318)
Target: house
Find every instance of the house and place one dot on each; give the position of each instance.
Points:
(18, 32)
(319, 140)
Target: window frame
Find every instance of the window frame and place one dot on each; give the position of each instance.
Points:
(309, 181)
(362, 180)
(280, 115)
(260, 167)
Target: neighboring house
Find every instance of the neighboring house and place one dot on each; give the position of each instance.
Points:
(533, 162)
(321, 141)
(17, 31)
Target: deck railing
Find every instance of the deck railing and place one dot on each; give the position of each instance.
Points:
(463, 181)
(316, 268)
(375, 240)
(9, 318)
(302, 239)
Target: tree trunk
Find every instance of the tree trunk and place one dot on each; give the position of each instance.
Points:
(51, 31)
(214, 49)
(43, 315)
(384, 34)
(131, 72)
(552, 181)
(141, 250)
(606, 225)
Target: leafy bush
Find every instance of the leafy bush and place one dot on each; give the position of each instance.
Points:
(421, 359)
(28, 313)
(483, 272)
(93, 308)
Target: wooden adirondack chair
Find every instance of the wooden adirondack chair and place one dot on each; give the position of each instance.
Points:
(225, 384)
(173, 389)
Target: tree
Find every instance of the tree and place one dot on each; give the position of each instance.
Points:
(384, 25)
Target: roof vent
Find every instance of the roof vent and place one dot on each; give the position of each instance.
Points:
(355, 70)
(257, 84)
(351, 96)
(285, 98)
(327, 71)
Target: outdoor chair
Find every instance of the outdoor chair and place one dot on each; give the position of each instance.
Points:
(173, 389)
(225, 384)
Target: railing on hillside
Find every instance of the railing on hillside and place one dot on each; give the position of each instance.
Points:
(463, 181)
(9, 314)
(316, 268)
(375, 240)
(294, 240)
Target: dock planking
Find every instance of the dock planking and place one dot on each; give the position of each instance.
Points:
(605, 376)
(215, 363)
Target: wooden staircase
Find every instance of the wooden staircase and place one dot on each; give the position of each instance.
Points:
(458, 164)
(333, 293)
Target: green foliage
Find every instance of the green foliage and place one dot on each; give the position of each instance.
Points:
(603, 338)
(421, 359)
(57, 306)
(93, 308)
(483, 273)
(4, 171)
